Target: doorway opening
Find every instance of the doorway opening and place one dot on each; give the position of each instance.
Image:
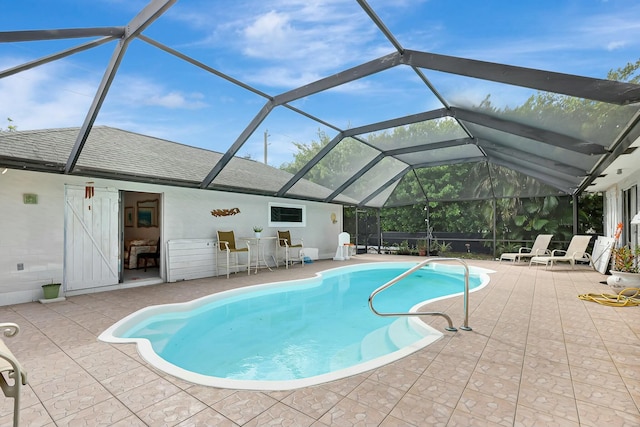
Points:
(141, 237)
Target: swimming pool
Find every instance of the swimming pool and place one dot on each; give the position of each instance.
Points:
(286, 335)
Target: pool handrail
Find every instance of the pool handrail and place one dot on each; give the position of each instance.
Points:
(464, 327)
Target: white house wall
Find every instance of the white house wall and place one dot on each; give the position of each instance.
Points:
(32, 235)
(613, 203)
(187, 215)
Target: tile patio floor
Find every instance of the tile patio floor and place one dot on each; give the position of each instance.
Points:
(537, 356)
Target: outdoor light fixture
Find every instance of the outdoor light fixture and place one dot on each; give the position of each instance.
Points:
(636, 219)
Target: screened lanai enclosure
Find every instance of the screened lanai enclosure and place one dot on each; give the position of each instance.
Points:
(473, 228)
(355, 96)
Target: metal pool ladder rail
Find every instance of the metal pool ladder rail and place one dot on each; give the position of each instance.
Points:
(464, 327)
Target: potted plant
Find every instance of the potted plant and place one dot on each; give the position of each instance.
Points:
(625, 271)
(422, 247)
(51, 290)
(257, 230)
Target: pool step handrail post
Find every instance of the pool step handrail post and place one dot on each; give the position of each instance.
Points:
(465, 326)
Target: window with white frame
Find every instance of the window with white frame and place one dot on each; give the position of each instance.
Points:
(287, 215)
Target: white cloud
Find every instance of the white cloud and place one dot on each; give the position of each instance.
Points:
(169, 100)
(556, 42)
(294, 37)
(271, 29)
(41, 99)
(310, 39)
(55, 95)
(136, 91)
(617, 44)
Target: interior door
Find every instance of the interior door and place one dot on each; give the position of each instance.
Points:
(91, 250)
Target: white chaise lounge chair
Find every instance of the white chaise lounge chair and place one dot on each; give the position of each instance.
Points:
(577, 251)
(539, 248)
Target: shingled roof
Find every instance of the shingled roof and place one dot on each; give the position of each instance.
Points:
(119, 154)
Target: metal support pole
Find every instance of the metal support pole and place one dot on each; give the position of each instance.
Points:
(575, 214)
(266, 136)
(495, 223)
(379, 230)
(428, 230)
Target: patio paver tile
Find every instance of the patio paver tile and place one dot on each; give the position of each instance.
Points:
(537, 356)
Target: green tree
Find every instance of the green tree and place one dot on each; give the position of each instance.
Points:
(306, 152)
(336, 167)
(10, 127)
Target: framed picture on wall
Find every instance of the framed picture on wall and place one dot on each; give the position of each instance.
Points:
(147, 213)
(128, 217)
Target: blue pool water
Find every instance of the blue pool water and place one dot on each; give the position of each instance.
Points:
(280, 335)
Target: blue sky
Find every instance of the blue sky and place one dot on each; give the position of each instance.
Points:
(278, 45)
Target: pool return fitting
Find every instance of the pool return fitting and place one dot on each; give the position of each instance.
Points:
(451, 328)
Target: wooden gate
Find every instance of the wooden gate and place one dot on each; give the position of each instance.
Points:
(91, 247)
